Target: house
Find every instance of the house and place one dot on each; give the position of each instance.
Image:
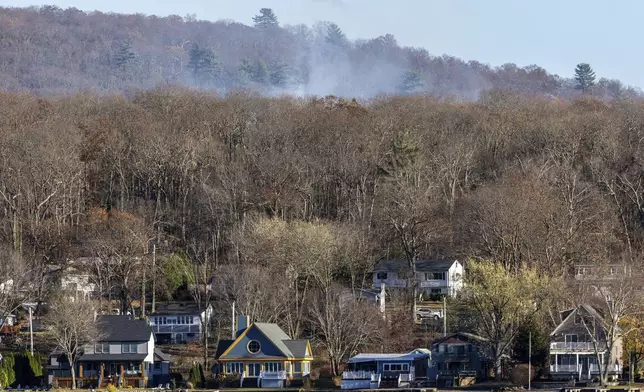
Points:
(375, 297)
(125, 354)
(459, 359)
(601, 272)
(371, 371)
(174, 323)
(572, 351)
(75, 278)
(433, 276)
(263, 355)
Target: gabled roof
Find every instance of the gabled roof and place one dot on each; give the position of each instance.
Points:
(421, 265)
(297, 347)
(222, 346)
(276, 335)
(123, 329)
(290, 348)
(570, 313)
(455, 336)
(160, 356)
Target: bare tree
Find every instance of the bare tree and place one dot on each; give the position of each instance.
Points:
(343, 326)
(73, 326)
(605, 295)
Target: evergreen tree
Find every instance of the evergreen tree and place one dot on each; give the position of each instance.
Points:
(278, 74)
(203, 64)
(410, 83)
(265, 19)
(335, 35)
(124, 55)
(584, 76)
(255, 71)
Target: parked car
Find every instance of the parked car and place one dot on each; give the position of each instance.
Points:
(427, 313)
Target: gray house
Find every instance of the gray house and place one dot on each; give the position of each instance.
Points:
(432, 276)
(457, 357)
(572, 351)
(125, 355)
(178, 323)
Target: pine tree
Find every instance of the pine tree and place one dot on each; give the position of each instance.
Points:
(335, 35)
(203, 64)
(411, 82)
(584, 76)
(124, 55)
(278, 74)
(265, 19)
(255, 71)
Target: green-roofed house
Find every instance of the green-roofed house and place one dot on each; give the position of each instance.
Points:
(263, 355)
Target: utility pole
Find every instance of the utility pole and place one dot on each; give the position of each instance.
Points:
(444, 315)
(154, 277)
(143, 296)
(31, 330)
(530, 360)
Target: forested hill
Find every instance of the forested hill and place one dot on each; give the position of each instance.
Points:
(48, 50)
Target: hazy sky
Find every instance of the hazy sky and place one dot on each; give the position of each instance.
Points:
(555, 34)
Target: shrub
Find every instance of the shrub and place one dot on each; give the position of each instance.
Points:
(190, 385)
(112, 388)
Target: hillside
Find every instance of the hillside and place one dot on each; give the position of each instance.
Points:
(48, 50)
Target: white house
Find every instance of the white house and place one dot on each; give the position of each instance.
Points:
(433, 276)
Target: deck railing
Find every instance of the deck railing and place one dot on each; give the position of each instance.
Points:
(357, 375)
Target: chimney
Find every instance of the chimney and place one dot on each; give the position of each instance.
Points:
(243, 322)
(381, 298)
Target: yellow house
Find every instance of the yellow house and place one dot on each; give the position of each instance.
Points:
(263, 355)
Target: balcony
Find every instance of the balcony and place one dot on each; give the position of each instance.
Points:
(357, 375)
(576, 346)
(594, 368)
(433, 283)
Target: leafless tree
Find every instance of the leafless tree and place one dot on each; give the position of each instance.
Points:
(73, 326)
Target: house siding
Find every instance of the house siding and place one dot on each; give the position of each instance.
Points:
(268, 350)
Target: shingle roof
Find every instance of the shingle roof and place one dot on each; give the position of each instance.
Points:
(123, 329)
(297, 347)
(371, 357)
(116, 357)
(468, 336)
(222, 346)
(276, 335)
(160, 356)
(179, 308)
(421, 265)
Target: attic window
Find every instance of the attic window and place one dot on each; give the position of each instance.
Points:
(254, 347)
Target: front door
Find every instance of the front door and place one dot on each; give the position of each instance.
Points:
(253, 369)
(585, 367)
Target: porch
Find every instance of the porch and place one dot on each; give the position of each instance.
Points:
(581, 366)
(100, 374)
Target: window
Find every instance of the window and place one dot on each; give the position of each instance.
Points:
(234, 367)
(272, 366)
(195, 320)
(435, 276)
(130, 348)
(611, 271)
(102, 348)
(395, 367)
(571, 338)
(307, 368)
(254, 369)
(381, 276)
(254, 347)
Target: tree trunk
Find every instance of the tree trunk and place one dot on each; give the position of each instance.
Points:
(73, 371)
(498, 364)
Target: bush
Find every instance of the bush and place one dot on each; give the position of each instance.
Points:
(190, 385)
(112, 388)
(228, 380)
(195, 377)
